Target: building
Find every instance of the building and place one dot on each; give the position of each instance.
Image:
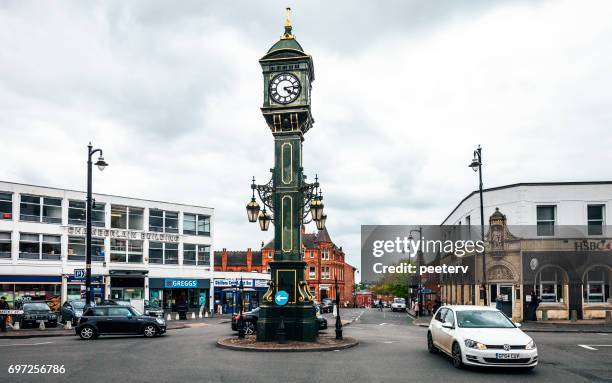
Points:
(239, 261)
(141, 249)
(551, 239)
(325, 262)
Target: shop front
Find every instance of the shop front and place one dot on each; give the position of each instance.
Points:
(227, 294)
(43, 288)
(75, 288)
(127, 284)
(169, 293)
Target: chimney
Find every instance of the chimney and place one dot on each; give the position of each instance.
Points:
(249, 259)
(224, 259)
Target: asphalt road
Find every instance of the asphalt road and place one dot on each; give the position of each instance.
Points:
(390, 350)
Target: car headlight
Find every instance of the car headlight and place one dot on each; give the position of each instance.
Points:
(160, 321)
(473, 344)
(531, 345)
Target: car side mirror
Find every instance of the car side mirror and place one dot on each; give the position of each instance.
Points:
(448, 325)
(517, 324)
(129, 316)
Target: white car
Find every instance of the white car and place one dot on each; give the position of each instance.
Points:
(480, 336)
(399, 304)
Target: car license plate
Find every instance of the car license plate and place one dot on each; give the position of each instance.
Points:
(506, 356)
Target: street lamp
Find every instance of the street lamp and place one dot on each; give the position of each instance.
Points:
(476, 166)
(419, 260)
(338, 320)
(252, 207)
(101, 164)
(240, 313)
(264, 220)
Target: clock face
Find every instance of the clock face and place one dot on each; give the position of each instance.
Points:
(285, 88)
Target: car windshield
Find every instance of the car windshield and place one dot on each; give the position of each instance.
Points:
(78, 304)
(123, 303)
(399, 300)
(36, 306)
(483, 319)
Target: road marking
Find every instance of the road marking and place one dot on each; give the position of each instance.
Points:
(587, 347)
(382, 324)
(24, 344)
(592, 346)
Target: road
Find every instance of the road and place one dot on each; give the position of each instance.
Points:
(390, 350)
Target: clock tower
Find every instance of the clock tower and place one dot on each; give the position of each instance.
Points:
(287, 77)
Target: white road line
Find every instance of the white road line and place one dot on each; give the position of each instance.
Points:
(587, 347)
(382, 324)
(24, 344)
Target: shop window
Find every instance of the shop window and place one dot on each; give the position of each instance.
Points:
(77, 213)
(545, 220)
(595, 214)
(596, 286)
(77, 250)
(125, 217)
(550, 285)
(38, 246)
(41, 209)
(196, 224)
(5, 245)
(6, 205)
(163, 221)
(51, 247)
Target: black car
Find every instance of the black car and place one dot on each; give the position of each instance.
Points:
(118, 320)
(71, 311)
(153, 309)
(327, 305)
(250, 319)
(34, 313)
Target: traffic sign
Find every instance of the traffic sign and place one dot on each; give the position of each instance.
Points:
(281, 298)
(79, 273)
(426, 291)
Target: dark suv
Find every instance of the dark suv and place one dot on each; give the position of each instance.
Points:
(118, 320)
(34, 313)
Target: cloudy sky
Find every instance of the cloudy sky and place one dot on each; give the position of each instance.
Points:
(404, 92)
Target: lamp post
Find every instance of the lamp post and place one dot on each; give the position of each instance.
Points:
(476, 166)
(240, 311)
(419, 260)
(338, 320)
(101, 164)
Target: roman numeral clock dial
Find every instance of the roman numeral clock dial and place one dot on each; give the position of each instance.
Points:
(285, 88)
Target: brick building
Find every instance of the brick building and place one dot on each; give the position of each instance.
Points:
(239, 261)
(325, 262)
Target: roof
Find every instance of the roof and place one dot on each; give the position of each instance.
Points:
(509, 186)
(283, 44)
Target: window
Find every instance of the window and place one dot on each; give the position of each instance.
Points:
(119, 312)
(595, 214)
(163, 253)
(77, 213)
(546, 220)
(325, 272)
(163, 221)
(33, 206)
(125, 217)
(196, 224)
(325, 254)
(126, 251)
(5, 245)
(312, 272)
(38, 246)
(449, 317)
(203, 255)
(550, 285)
(78, 252)
(440, 315)
(6, 205)
(597, 286)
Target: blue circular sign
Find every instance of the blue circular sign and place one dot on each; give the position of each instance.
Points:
(281, 298)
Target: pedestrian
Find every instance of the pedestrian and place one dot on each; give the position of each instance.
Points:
(380, 305)
(499, 302)
(437, 305)
(417, 312)
(3, 306)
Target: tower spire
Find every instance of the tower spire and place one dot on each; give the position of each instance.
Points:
(288, 27)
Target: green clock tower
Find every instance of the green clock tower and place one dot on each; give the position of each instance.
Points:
(287, 77)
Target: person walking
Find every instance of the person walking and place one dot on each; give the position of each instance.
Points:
(3, 306)
(499, 302)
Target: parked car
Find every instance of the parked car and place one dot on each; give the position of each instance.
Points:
(34, 313)
(480, 336)
(114, 302)
(399, 304)
(117, 320)
(327, 305)
(153, 309)
(250, 319)
(71, 311)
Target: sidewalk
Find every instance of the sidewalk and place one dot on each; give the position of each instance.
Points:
(566, 326)
(60, 331)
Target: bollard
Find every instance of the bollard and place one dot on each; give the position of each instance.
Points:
(16, 325)
(193, 315)
(206, 314)
(177, 316)
(169, 317)
(608, 317)
(42, 325)
(200, 315)
(544, 315)
(68, 325)
(574, 317)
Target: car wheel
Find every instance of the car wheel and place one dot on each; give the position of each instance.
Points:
(249, 328)
(87, 332)
(149, 331)
(457, 358)
(430, 344)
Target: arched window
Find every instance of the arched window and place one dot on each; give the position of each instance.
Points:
(596, 285)
(549, 285)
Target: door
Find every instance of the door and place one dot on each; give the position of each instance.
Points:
(505, 291)
(117, 294)
(575, 298)
(436, 325)
(121, 321)
(447, 334)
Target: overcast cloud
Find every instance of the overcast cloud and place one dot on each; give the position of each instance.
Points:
(404, 92)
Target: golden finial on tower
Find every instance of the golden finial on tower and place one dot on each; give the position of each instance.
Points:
(287, 35)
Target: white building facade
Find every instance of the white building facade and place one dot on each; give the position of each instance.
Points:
(141, 249)
(549, 239)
